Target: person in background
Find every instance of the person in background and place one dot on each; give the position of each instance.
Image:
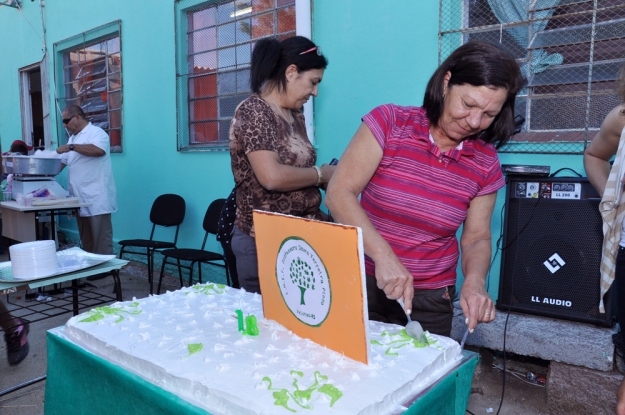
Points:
(422, 172)
(273, 161)
(90, 179)
(19, 147)
(15, 329)
(608, 181)
(15, 336)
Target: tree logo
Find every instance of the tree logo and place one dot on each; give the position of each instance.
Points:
(303, 281)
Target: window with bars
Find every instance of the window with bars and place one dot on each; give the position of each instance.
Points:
(214, 48)
(92, 79)
(570, 52)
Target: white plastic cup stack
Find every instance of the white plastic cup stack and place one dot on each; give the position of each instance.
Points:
(33, 259)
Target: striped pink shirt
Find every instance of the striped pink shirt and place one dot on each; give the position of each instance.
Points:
(418, 197)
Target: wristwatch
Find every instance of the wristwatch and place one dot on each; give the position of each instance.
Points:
(71, 147)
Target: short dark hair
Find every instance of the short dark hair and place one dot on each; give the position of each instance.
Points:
(75, 110)
(19, 148)
(271, 57)
(478, 63)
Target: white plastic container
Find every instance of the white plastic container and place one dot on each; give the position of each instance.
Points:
(36, 259)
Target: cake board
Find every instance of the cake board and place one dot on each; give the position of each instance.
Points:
(313, 281)
(82, 383)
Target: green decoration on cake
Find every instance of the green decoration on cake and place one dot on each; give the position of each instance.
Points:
(99, 313)
(301, 397)
(240, 321)
(251, 328)
(208, 289)
(303, 276)
(401, 339)
(248, 324)
(194, 348)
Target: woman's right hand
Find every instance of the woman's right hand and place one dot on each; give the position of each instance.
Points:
(394, 279)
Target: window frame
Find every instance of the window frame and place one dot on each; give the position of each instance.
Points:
(182, 8)
(591, 95)
(77, 42)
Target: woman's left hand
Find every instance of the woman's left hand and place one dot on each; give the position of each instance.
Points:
(476, 304)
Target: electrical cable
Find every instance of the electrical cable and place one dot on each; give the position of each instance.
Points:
(564, 168)
(505, 327)
(519, 375)
(19, 8)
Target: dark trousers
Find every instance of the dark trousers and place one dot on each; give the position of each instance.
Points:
(244, 249)
(231, 261)
(433, 309)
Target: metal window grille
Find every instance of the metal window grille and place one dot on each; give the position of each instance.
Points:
(570, 52)
(93, 80)
(214, 48)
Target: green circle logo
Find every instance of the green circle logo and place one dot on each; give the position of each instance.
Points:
(303, 281)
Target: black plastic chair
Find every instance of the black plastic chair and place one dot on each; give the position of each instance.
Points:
(198, 256)
(167, 210)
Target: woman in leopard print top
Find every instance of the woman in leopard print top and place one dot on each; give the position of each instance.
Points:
(273, 161)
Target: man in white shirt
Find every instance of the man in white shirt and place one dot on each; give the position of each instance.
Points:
(90, 179)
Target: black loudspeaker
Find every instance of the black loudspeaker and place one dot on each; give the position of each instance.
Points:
(552, 243)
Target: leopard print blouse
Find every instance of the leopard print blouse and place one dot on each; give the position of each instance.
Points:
(255, 126)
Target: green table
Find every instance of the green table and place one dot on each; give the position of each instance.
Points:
(112, 265)
(37, 311)
(82, 383)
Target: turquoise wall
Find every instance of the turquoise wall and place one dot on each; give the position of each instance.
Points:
(21, 46)
(378, 53)
(149, 165)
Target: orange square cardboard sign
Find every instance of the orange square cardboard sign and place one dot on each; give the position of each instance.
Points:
(312, 280)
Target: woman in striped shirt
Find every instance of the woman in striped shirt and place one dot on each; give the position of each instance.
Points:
(422, 172)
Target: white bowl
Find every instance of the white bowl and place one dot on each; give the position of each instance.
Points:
(34, 259)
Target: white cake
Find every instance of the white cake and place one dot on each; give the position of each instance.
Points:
(187, 342)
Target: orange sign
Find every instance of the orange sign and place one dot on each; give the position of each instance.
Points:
(313, 282)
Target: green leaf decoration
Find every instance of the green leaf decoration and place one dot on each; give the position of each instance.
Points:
(332, 392)
(194, 348)
(99, 313)
(302, 396)
(282, 399)
(208, 289)
(92, 318)
(401, 339)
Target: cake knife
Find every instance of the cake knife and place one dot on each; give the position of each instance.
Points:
(464, 338)
(413, 328)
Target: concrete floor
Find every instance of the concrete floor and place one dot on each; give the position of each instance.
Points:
(521, 398)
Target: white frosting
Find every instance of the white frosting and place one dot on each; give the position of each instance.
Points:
(187, 342)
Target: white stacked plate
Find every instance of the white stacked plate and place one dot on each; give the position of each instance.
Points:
(34, 259)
